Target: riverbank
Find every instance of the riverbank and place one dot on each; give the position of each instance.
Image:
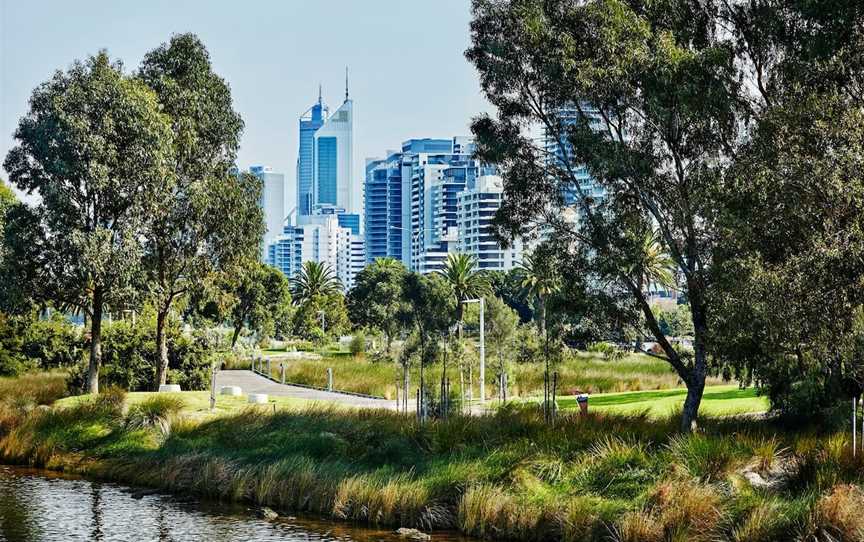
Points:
(506, 475)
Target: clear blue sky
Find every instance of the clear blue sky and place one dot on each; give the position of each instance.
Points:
(408, 75)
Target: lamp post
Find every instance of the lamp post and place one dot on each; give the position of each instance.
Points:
(482, 303)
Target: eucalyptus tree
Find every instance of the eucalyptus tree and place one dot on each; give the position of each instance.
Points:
(377, 298)
(210, 219)
(647, 98)
(98, 150)
(260, 298)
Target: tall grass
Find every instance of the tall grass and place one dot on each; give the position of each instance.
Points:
(506, 475)
(580, 371)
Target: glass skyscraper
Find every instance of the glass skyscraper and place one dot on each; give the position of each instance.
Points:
(310, 122)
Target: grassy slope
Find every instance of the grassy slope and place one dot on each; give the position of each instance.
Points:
(503, 476)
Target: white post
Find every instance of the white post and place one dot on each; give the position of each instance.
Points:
(329, 379)
(482, 351)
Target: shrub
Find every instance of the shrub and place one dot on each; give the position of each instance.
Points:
(836, 516)
(129, 358)
(156, 411)
(608, 350)
(358, 343)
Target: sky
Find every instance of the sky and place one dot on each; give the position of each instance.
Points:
(408, 75)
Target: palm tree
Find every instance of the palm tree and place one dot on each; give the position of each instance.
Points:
(314, 279)
(653, 265)
(467, 281)
(539, 279)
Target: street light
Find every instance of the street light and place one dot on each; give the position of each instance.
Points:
(482, 346)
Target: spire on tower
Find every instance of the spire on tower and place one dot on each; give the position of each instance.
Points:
(346, 83)
(320, 100)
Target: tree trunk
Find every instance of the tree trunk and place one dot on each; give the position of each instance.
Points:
(161, 348)
(237, 329)
(699, 371)
(541, 316)
(95, 342)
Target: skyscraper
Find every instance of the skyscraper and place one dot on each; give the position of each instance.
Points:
(310, 122)
(272, 203)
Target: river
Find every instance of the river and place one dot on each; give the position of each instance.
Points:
(40, 506)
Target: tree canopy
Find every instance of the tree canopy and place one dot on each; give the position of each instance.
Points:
(97, 149)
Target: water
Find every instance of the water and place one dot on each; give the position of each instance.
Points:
(39, 506)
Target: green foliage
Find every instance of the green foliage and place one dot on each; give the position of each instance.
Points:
(254, 295)
(130, 357)
(105, 167)
(676, 322)
(358, 343)
(28, 342)
(189, 241)
(462, 273)
(377, 298)
(308, 318)
(315, 280)
(608, 350)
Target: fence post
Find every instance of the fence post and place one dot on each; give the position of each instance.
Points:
(329, 379)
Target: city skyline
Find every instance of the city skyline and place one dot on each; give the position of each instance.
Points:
(274, 62)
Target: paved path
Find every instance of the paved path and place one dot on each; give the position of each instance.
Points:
(250, 382)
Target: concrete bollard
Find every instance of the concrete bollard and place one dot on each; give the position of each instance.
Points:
(171, 388)
(329, 379)
(257, 398)
(282, 365)
(230, 390)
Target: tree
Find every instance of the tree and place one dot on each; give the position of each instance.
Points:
(540, 279)
(508, 286)
(460, 271)
(262, 298)
(189, 236)
(432, 305)
(377, 297)
(314, 280)
(657, 88)
(97, 149)
(501, 323)
(321, 317)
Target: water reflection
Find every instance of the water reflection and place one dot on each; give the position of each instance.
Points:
(36, 506)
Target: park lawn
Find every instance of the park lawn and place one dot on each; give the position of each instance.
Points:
(717, 401)
(197, 403)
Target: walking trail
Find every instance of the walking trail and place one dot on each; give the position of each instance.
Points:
(250, 382)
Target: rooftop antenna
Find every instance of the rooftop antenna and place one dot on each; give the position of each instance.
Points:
(319, 94)
(346, 83)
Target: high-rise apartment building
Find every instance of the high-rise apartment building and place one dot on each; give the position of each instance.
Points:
(272, 203)
(412, 202)
(319, 238)
(476, 208)
(560, 152)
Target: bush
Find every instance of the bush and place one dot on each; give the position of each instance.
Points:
(608, 350)
(358, 343)
(27, 343)
(129, 358)
(155, 411)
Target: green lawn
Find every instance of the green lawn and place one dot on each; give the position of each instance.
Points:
(717, 401)
(197, 403)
